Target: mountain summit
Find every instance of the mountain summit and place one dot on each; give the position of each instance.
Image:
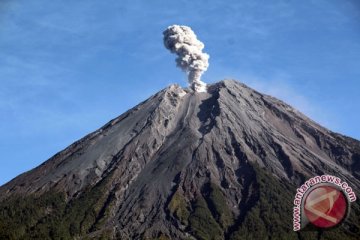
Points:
(221, 164)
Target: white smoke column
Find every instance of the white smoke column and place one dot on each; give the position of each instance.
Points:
(182, 41)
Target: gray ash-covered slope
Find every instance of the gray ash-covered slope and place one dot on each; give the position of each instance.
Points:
(182, 165)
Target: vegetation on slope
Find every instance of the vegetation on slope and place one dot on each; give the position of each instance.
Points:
(179, 208)
(49, 216)
(271, 216)
(217, 204)
(202, 223)
(32, 217)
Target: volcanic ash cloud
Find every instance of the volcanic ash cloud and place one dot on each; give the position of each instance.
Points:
(182, 41)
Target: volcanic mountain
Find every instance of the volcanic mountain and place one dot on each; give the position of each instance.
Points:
(223, 164)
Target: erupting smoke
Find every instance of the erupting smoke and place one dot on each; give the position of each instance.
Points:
(182, 41)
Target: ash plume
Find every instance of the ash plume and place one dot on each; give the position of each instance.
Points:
(182, 41)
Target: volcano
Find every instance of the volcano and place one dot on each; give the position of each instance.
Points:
(221, 164)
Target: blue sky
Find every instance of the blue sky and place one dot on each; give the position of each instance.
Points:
(68, 67)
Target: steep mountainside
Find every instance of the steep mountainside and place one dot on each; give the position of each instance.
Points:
(182, 165)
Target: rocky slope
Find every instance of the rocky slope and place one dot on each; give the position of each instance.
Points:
(181, 165)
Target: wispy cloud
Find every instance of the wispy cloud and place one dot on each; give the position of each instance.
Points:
(281, 86)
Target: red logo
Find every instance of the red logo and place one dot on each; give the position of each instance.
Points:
(325, 206)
